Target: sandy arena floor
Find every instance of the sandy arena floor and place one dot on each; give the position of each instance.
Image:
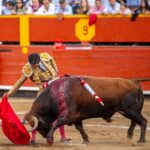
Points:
(102, 135)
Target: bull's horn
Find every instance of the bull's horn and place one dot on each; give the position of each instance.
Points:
(36, 123)
(23, 121)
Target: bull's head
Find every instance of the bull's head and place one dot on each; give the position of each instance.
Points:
(38, 123)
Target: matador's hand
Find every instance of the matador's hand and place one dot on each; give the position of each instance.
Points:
(44, 85)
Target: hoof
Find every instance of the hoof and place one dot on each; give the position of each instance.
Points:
(65, 140)
(85, 142)
(50, 142)
(109, 120)
(129, 136)
(141, 141)
(33, 142)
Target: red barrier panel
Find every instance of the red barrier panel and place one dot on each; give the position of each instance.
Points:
(9, 29)
(107, 29)
(127, 62)
(73, 29)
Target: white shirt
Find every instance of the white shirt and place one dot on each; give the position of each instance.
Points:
(66, 11)
(31, 11)
(105, 2)
(109, 9)
(43, 11)
(1, 6)
(91, 3)
(56, 2)
(127, 11)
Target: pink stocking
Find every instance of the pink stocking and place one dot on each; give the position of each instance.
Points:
(33, 137)
(62, 132)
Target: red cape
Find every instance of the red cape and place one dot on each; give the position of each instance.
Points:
(11, 125)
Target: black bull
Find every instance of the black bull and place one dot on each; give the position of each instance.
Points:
(66, 101)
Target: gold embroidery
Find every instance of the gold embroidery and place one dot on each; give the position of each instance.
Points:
(27, 70)
(37, 75)
(45, 57)
(17, 85)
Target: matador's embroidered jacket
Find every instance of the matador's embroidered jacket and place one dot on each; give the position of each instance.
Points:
(47, 70)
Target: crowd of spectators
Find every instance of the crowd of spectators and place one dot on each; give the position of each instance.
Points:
(69, 7)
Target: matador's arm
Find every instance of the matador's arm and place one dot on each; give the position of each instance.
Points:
(17, 85)
(53, 63)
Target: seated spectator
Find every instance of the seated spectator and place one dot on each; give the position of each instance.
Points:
(56, 2)
(147, 4)
(98, 8)
(105, 2)
(34, 7)
(70, 2)
(145, 8)
(124, 10)
(63, 8)
(47, 8)
(84, 7)
(121, 1)
(19, 8)
(2, 2)
(112, 8)
(91, 3)
(133, 3)
(8, 9)
(75, 4)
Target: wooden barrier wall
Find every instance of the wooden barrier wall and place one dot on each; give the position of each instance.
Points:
(128, 62)
(106, 61)
(26, 29)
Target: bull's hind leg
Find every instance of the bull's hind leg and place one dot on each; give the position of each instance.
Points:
(137, 118)
(79, 127)
(131, 129)
(132, 126)
(132, 105)
(142, 123)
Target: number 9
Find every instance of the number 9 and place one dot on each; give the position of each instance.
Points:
(85, 30)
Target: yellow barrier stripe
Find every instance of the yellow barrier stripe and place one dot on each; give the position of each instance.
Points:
(73, 16)
(24, 31)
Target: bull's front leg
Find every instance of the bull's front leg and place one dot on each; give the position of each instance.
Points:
(79, 126)
(57, 123)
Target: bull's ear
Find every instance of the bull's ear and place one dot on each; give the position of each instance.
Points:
(35, 123)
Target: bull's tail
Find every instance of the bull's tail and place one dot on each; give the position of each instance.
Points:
(140, 99)
(141, 79)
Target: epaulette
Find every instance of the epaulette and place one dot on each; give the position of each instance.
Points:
(45, 57)
(27, 70)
